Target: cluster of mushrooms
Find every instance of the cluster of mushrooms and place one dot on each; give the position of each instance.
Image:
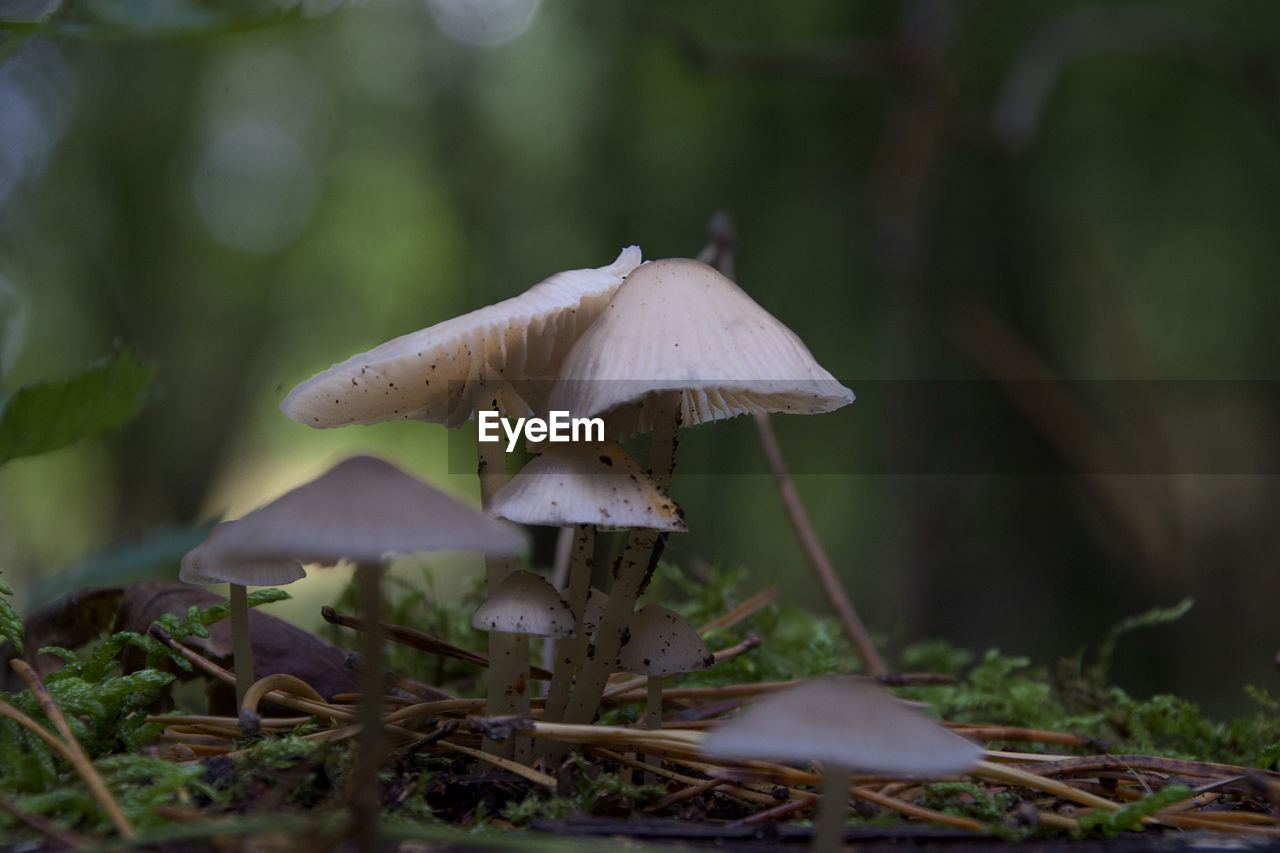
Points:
(649, 348)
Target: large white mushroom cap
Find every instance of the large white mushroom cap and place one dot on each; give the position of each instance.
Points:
(598, 483)
(853, 724)
(360, 510)
(435, 374)
(678, 325)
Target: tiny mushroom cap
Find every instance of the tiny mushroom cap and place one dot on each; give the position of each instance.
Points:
(205, 564)
(678, 325)
(597, 483)
(360, 510)
(662, 643)
(851, 724)
(526, 604)
(434, 374)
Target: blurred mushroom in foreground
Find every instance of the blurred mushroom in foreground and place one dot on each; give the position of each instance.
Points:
(844, 726)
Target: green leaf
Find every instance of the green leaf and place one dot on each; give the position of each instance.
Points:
(11, 627)
(45, 417)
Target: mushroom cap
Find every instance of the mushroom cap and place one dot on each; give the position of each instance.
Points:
(206, 563)
(662, 643)
(853, 724)
(678, 325)
(360, 510)
(435, 374)
(524, 603)
(597, 483)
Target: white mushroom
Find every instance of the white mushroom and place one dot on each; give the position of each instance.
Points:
(205, 565)
(845, 726)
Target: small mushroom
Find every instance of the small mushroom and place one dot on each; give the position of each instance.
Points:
(524, 605)
(845, 726)
(661, 643)
(204, 565)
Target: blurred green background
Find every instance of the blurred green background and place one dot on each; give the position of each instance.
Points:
(921, 190)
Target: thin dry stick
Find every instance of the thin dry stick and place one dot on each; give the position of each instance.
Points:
(1012, 775)
(747, 689)
(742, 611)
(1181, 766)
(505, 763)
(978, 731)
(75, 752)
(227, 722)
(418, 640)
(770, 815)
(813, 549)
(913, 810)
(685, 794)
(746, 795)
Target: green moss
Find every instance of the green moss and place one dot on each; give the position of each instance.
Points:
(11, 627)
(589, 785)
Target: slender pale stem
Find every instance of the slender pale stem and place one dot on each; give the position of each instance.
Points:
(629, 579)
(631, 574)
(653, 703)
(504, 671)
(559, 580)
(364, 788)
(667, 417)
(828, 829)
(241, 642)
(570, 650)
(822, 568)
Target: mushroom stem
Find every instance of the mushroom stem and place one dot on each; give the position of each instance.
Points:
(653, 703)
(560, 580)
(632, 573)
(652, 720)
(569, 651)
(241, 642)
(630, 577)
(667, 417)
(364, 788)
(828, 828)
(504, 699)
